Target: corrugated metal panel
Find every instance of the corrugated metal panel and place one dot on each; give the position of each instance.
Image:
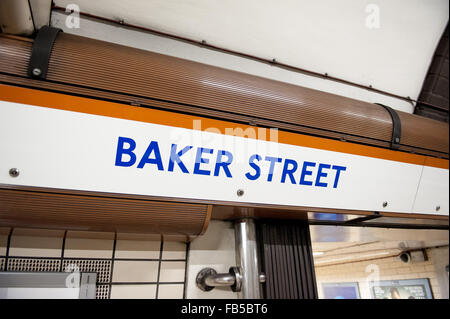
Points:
(287, 260)
(26, 208)
(112, 69)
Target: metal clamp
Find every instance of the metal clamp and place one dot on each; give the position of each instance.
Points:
(396, 126)
(41, 51)
(207, 279)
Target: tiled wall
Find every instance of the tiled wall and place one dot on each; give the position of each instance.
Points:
(390, 268)
(128, 265)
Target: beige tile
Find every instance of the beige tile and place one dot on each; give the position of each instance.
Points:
(170, 291)
(135, 271)
(137, 246)
(133, 291)
(145, 237)
(37, 232)
(89, 245)
(90, 235)
(174, 250)
(36, 242)
(179, 238)
(172, 271)
(3, 244)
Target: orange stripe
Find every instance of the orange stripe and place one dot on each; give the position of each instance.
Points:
(140, 114)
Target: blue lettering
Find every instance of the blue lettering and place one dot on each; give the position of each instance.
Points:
(199, 160)
(128, 151)
(338, 173)
(224, 165)
(322, 174)
(305, 172)
(175, 157)
(311, 173)
(153, 147)
(272, 161)
(255, 167)
(289, 171)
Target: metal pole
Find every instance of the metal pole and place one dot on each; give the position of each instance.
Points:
(247, 259)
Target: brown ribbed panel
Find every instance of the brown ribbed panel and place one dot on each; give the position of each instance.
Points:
(94, 63)
(424, 132)
(14, 55)
(208, 90)
(98, 213)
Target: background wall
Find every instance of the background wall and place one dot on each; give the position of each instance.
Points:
(390, 268)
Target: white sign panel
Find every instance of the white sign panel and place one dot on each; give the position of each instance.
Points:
(432, 194)
(70, 150)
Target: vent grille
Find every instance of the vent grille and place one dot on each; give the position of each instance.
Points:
(101, 267)
(102, 292)
(33, 265)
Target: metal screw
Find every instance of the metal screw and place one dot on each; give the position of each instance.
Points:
(14, 172)
(240, 192)
(385, 204)
(37, 71)
(438, 208)
(262, 278)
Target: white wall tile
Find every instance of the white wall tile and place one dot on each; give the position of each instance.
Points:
(135, 271)
(4, 232)
(169, 291)
(89, 245)
(174, 250)
(137, 246)
(36, 243)
(172, 271)
(133, 291)
(3, 244)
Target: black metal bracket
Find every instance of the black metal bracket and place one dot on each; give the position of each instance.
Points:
(363, 219)
(41, 51)
(396, 126)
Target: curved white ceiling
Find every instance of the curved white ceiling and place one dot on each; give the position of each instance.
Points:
(325, 36)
